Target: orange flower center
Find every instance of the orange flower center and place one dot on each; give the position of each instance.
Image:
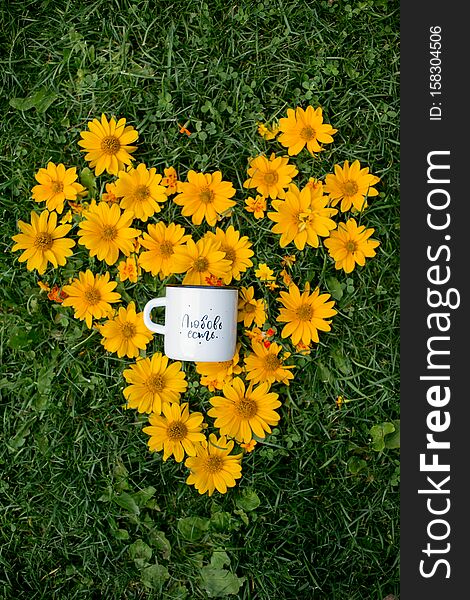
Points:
(304, 312)
(350, 188)
(351, 246)
(271, 362)
(155, 383)
(206, 195)
(246, 408)
(43, 241)
(213, 464)
(110, 145)
(57, 187)
(141, 193)
(177, 431)
(166, 249)
(128, 330)
(230, 253)
(271, 177)
(201, 264)
(92, 296)
(109, 233)
(307, 133)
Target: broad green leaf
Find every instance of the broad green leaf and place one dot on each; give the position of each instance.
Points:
(220, 559)
(219, 583)
(88, 180)
(193, 528)
(154, 576)
(121, 534)
(248, 500)
(342, 362)
(126, 501)
(334, 287)
(392, 440)
(356, 465)
(143, 496)
(378, 432)
(158, 540)
(324, 373)
(140, 550)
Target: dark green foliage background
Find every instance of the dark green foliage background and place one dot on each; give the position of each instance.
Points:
(327, 524)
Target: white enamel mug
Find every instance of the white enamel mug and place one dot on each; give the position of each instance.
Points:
(200, 322)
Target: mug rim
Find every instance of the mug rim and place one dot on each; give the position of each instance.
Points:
(202, 287)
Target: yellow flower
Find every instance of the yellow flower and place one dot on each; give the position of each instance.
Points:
(91, 296)
(303, 349)
(107, 145)
(200, 260)
(110, 194)
(242, 412)
(67, 218)
(43, 242)
(44, 286)
(213, 467)
(350, 244)
(216, 374)
(161, 242)
(270, 177)
(315, 186)
(249, 446)
(153, 381)
(302, 217)
(351, 185)
(177, 432)
(250, 309)
(286, 278)
(264, 364)
(105, 231)
(305, 314)
(140, 191)
(237, 250)
(304, 128)
(126, 333)
(170, 181)
(264, 273)
(56, 184)
(268, 132)
(204, 196)
(128, 269)
(288, 260)
(257, 206)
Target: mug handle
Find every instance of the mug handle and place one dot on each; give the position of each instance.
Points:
(154, 303)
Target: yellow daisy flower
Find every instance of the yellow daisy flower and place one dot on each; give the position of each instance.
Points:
(107, 145)
(242, 412)
(56, 184)
(128, 270)
(264, 273)
(249, 446)
(264, 364)
(126, 333)
(106, 230)
(43, 242)
(257, 206)
(237, 250)
(177, 432)
(270, 177)
(140, 191)
(304, 128)
(215, 374)
(213, 467)
(91, 296)
(351, 185)
(152, 382)
(161, 242)
(350, 245)
(268, 132)
(305, 314)
(302, 217)
(200, 260)
(170, 181)
(250, 309)
(204, 196)
(110, 194)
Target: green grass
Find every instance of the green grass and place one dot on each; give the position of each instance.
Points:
(76, 478)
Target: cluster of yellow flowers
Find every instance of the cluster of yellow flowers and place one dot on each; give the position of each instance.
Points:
(112, 230)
